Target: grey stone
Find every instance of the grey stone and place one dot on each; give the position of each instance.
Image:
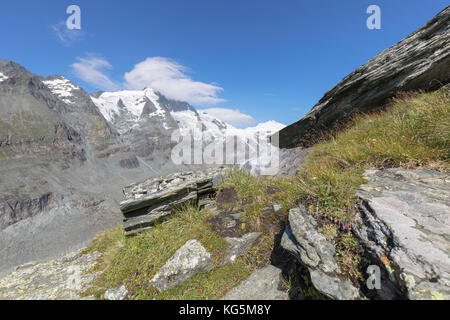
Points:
(153, 199)
(63, 278)
(312, 249)
(118, 293)
(420, 61)
(262, 284)
(236, 216)
(276, 207)
(239, 246)
(405, 225)
(189, 260)
(230, 223)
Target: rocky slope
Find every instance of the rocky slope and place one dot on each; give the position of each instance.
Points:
(420, 61)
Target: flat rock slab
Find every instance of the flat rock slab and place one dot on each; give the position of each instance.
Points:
(262, 284)
(156, 198)
(239, 246)
(405, 223)
(60, 279)
(312, 250)
(189, 260)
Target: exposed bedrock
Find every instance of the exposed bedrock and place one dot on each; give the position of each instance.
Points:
(405, 225)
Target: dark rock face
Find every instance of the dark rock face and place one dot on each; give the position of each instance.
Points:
(174, 105)
(405, 226)
(14, 208)
(420, 61)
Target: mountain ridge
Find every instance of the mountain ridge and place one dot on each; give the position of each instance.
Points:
(63, 164)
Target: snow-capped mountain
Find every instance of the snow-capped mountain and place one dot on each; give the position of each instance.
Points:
(147, 117)
(126, 109)
(62, 88)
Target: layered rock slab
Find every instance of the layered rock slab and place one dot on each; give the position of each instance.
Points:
(405, 225)
(147, 202)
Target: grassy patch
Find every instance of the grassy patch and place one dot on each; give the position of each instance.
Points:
(134, 261)
(254, 194)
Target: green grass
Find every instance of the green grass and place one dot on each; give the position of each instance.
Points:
(256, 193)
(413, 132)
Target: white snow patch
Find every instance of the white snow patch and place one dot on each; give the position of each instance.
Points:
(2, 77)
(62, 88)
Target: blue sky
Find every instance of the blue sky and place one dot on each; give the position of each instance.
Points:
(271, 60)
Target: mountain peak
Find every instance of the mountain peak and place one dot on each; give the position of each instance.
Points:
(61, 87)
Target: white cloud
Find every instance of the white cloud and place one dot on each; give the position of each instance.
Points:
(66, 36)
(169, 78)
(233, 117)
(91, 70)
(159, 73)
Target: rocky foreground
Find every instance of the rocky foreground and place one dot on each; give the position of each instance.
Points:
(403, 225)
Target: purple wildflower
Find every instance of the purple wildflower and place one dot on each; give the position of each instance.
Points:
(346, 227)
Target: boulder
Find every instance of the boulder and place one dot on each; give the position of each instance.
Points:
(262, 284)
(147, 202)
(312, 250)
(239, 246)
(420, 61)
(405, 225)
(189, 260)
